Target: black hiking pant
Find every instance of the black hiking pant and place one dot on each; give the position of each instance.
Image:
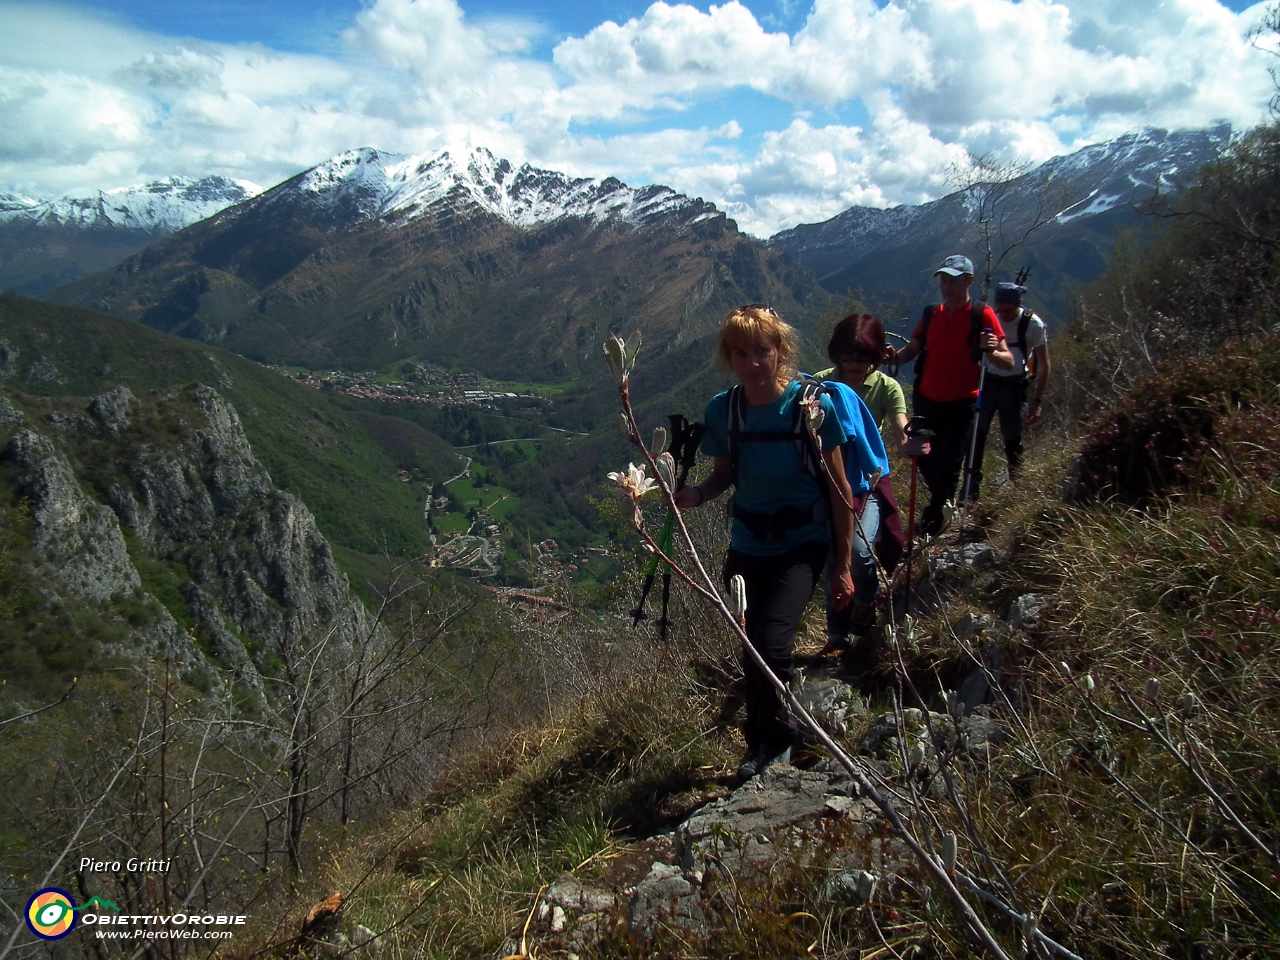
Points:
(1005, 397)
(778, 590)
(952, 424)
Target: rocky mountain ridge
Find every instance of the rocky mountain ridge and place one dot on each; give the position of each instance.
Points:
(883, 251)
(155, 513)
(159, 206)
(514, 273)
(400, 188)
(47, 242)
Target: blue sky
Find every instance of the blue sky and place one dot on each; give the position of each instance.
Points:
(779, 111)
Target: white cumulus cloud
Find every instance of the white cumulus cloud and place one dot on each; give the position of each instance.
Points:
(868, 102)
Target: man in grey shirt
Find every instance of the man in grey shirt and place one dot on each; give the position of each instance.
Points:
(1005, 392)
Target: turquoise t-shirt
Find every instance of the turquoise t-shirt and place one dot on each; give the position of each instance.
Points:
(771, 475)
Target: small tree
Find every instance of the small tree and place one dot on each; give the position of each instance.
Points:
(1006, 203)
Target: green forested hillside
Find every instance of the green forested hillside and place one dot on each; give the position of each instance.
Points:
(312, 445)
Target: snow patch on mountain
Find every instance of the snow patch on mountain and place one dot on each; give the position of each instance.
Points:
(161, 206)
(1125, 170)
(400, 188)
(1096, 202)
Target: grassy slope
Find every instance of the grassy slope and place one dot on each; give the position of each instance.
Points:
(342, 466)
(1177, 594)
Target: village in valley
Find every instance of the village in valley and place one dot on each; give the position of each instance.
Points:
(466, 516)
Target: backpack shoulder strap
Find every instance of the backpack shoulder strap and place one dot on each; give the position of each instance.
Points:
(977, 311)
(737, 418)
(1024, 321)
(925, 316)
(809, 452)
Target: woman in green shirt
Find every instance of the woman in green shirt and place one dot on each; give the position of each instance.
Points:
(857, 349)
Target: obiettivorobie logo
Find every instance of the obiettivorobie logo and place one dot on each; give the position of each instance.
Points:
(51, 913)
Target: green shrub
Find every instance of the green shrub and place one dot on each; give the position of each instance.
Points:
(1202, 424)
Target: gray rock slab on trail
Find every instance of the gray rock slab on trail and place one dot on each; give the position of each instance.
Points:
(1024, 613)
(572, 894)
(970, 556)
(829, 701)
(665, 896)
(976, 688)
(978, 733)
(740, 830)
(971, 625)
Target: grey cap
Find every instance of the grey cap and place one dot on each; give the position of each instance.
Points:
(956, 266)
(1009, 292)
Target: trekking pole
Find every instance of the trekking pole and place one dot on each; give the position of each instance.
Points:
(683, 448)
(973, 436)
(916, 447)
(685, 453)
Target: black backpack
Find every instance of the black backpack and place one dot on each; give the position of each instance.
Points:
(975, 331)
(762, 525)
(1028, 361)
(798, 434)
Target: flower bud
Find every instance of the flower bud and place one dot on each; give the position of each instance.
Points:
(866, 884)
(1089, 685)
(659, 440)
(1188, 702)
(949, 850)
(621, 356)
(738, 596)
(1153, 688)
(666, 465)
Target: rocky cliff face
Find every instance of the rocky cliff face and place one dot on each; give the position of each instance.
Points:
(159, 505)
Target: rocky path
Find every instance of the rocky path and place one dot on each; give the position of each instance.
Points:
(789, 814)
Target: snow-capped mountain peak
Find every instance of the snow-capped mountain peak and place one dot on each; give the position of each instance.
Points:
(160, 206)
(400, 188)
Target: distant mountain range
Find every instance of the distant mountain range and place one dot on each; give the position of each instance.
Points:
(468, 261)
(889, 255)
(47, 242)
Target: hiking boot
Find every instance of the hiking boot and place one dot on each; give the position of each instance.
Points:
(835, 645)
(862, 660)
(863, 619)
(772, 756)
(930, 522)
(750, 764)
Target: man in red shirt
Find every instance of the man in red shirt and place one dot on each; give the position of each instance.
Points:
(953, 335)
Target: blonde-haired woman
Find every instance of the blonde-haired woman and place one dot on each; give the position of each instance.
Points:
(783, 516)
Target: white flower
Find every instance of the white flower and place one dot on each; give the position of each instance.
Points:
(621, 355)
(659, 440)
(666, 465)
(738, 596)
(813, 412)
(633, 483)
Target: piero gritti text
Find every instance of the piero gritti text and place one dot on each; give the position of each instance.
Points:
(132, 865)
